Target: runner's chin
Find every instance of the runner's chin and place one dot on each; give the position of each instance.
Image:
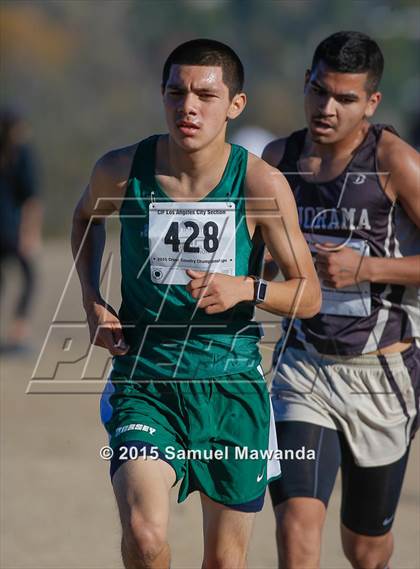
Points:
(323, 135)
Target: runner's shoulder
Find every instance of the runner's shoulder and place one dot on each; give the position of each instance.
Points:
(110, 176)
(115, 165)
(274, 151)
(263, 180)
(395, 154)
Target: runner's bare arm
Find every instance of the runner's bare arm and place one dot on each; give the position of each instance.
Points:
(102, 197)
(402, 162)
(272, 207)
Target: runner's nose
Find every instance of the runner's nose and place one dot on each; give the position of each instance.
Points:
(327, 107)
(187, 105)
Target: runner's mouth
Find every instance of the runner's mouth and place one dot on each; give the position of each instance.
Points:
(322, 126)
(187, 128)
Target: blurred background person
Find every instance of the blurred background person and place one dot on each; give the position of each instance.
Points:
(20, 221)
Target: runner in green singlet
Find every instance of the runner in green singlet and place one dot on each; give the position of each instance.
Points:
(186, 400)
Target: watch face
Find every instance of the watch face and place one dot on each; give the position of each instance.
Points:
(262, 290)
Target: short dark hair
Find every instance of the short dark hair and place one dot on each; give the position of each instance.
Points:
(352, 52)
(208, 52)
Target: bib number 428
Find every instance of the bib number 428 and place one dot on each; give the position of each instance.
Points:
(210, 237)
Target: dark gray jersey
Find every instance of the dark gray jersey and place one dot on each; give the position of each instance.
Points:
(353, 210)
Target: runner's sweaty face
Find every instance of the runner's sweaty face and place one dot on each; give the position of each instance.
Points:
(336, 103)
(197, 105)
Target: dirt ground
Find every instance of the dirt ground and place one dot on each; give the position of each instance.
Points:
(57, 507)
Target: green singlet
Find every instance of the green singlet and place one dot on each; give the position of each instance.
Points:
(168, 336)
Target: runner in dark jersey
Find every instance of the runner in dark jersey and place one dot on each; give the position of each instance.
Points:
(185, 374)
(346, 381)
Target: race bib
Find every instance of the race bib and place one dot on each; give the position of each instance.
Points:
(352, 300)
(190, 235)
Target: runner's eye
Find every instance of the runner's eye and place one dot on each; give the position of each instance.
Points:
(345, 100)
(175, 93)
(207, 96)
(318, 90)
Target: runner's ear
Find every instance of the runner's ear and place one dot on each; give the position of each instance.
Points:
(237, 105)
(374, 100)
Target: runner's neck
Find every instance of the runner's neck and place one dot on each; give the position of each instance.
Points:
(192, 175)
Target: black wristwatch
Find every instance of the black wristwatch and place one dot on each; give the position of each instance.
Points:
(260, 290)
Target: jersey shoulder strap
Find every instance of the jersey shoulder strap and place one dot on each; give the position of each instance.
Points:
(144, 158)
(292, 151)
(141, 180)
(365, 158)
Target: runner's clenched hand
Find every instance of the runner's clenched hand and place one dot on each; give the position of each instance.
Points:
(339, 268)
(216, 292)
(105, 328)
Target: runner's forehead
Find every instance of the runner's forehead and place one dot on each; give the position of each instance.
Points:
(209, 77)
(337, 83)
